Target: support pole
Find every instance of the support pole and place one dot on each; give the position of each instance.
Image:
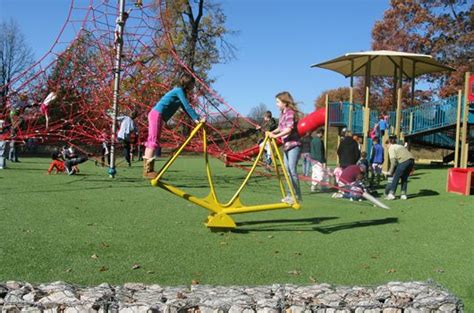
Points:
(413, 84)
(458, 129)
(351, 96)
(326, 127)
(366, 120)
(464, 143)
(119, 26)
(399, 100)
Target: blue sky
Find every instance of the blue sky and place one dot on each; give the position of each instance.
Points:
(277, 41)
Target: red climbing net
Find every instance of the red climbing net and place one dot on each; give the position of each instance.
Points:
(80, 69)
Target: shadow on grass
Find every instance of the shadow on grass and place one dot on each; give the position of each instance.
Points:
(298, 224)
(424, 193)
(338, 227)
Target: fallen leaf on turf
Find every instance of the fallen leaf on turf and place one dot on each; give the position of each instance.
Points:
(150, 272)
(194, 282)
(276, 251)
(294, 272)
(439, 270)
(68, 270)
(298, 253)
(312, 279)
(365, 266)
(94, 256)
(223, 243)
(103, 269)
(135, 266)
(270, 236)
(104, 245)
(392, 270)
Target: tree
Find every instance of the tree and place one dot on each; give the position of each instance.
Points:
(199, 33)
(338, 94)
(15, 56)
(257, 112)
(441, 28)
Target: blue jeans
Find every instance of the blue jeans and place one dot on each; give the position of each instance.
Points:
(307, 166)
(3, 162)
(401, 172)
(290, 158)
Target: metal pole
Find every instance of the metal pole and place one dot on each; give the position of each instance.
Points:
(120, 23)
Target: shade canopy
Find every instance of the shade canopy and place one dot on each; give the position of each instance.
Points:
(384, 63)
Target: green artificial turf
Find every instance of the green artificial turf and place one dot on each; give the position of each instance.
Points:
(88, 229)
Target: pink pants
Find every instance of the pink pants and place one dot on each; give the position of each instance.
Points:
(44, 109)
(155, 122)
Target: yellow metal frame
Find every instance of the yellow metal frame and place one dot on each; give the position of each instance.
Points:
(219, 217)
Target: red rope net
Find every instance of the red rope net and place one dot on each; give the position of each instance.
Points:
(79, 67)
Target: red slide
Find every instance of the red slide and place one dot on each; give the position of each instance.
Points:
(309, 123)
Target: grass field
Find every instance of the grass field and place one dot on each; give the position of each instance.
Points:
(88, 229)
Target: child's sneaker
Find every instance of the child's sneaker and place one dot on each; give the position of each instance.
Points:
(337, 195)
(403, 197)
(390, 196)
(288, 200)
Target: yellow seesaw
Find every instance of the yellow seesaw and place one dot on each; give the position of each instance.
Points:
(219, 217)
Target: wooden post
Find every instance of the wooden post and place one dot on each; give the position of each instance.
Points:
(410, 128)
(326, 127)
(351, 99)
(464, 144)
(458, 129)
(365, 127)
(386, 163)
(397, 115)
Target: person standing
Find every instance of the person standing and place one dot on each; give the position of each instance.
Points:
(269, 124)
(318, 159)
(348, 151)
(161, 112)
(401, 164)
(287, 131)
(3, 143)
(306, 155)
(128, 132)
(376, 160)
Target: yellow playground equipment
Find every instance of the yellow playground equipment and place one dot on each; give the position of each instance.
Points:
(219, 217)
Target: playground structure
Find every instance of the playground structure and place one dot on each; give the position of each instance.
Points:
(103, 63)
(436, 124)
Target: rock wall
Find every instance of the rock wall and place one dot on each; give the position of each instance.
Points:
(393, 297)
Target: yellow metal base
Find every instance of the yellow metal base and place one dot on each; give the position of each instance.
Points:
(219, 218)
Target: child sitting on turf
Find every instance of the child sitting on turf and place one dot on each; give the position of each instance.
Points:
(351, 182)
(57, 164)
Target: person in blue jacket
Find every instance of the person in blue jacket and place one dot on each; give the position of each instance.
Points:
(160, 113)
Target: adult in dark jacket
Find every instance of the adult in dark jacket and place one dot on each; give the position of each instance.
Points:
(348, 151)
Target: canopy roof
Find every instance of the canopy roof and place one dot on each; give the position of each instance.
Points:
(384, 63)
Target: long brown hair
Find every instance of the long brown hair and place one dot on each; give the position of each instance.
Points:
(287, 99)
